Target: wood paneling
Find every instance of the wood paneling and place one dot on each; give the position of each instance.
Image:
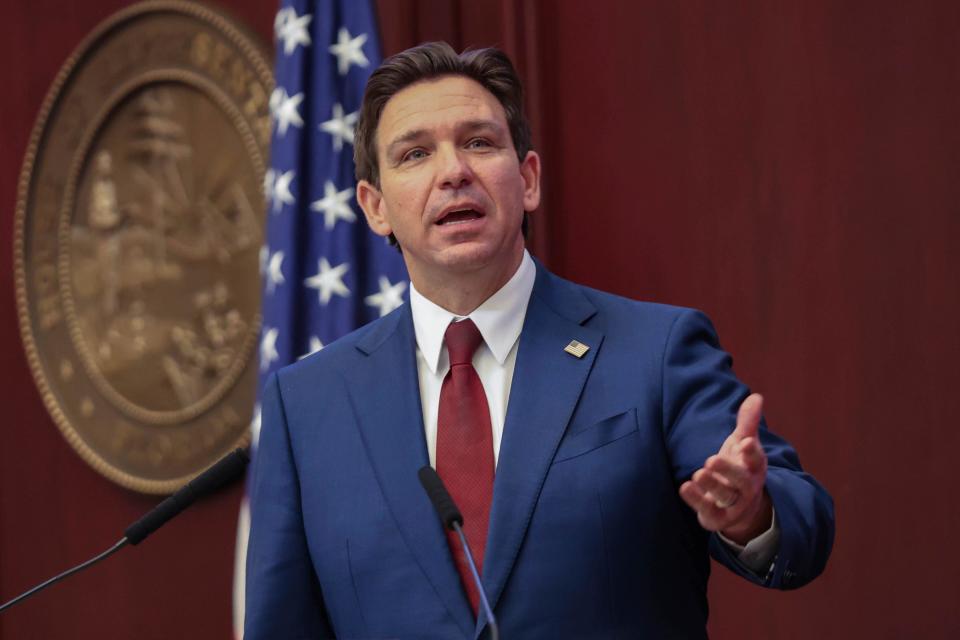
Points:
(791, 168)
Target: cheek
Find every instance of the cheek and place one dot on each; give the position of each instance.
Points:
(509, 187)
(407, 199)
(393, 210)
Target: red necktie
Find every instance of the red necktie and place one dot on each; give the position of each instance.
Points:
(465, 448)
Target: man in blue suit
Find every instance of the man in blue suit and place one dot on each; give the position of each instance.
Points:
(602, 447)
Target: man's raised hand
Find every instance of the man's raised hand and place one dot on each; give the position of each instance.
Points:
(728, 492)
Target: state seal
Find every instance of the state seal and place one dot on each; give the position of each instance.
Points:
(137, 232)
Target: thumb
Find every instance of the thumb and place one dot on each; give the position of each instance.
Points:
(748, 417)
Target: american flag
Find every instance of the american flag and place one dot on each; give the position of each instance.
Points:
(324, 272)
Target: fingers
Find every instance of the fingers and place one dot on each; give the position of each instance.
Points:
(717, 487)
(714, 500)
(727, 486)
(741, 463)
(728, 492)
(748, 417)
(747, 453)
(734, 475)
(710, 516)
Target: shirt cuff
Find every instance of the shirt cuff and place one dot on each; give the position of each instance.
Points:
(757, 554)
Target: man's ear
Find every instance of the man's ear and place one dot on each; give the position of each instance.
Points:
(371, 201)
(530, 171)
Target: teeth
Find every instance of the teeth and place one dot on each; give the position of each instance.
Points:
(458, 215)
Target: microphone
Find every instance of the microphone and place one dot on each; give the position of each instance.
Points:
(226, 470)
(452, 519)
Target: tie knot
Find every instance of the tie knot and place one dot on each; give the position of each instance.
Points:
(462, 339)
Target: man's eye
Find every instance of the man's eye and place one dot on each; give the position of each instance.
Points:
(413, 154)
(478, 143)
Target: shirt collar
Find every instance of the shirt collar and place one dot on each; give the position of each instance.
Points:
(499, 318)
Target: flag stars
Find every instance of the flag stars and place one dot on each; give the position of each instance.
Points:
(329, 281)
(268, 347)
(255, 426)
(285, 109)
(340, 126)
(264, 257)
(349, 51)
(315, 345)
(274, 272)
(280, 191)
(292, 29)
(334, 205)
(388, 298)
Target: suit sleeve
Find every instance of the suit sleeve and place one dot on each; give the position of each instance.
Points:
(701, 397)
(283, 598)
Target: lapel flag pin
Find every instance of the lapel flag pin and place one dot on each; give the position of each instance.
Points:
(576, 349)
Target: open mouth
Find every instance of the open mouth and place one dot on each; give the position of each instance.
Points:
(459, 215)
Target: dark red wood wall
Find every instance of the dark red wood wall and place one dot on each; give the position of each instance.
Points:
(792, 168)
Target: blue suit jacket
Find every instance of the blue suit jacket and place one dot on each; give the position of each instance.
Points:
(588, 537)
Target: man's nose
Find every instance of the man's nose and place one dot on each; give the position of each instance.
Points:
(454, 168)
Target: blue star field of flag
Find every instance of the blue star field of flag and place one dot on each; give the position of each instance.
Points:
(325, 273)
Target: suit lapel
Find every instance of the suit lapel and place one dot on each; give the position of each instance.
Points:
(386, 398)
(547, 383)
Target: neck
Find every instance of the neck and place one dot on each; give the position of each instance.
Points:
(462, 292)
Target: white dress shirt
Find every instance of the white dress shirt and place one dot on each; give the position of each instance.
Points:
(500, 320)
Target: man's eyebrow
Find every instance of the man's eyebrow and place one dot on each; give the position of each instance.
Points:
(404, 138)
(473, 125)
(467, 126)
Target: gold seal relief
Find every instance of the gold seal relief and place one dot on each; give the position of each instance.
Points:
(137, 234)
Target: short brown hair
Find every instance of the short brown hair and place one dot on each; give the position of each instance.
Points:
(489, 67)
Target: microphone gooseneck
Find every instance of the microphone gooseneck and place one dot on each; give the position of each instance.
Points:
(452, 519)
(225, 470)
(69, 572)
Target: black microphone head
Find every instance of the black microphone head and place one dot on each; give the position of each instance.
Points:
(227, 469)
(223, 472)
(440, 497)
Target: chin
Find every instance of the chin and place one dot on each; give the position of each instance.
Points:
(467, 259)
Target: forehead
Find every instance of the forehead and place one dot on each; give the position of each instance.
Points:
(436, 103)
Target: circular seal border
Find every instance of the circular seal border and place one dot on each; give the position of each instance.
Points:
(244, 41)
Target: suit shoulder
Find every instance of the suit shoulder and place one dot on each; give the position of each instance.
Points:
(615, 306)
(615, 313)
